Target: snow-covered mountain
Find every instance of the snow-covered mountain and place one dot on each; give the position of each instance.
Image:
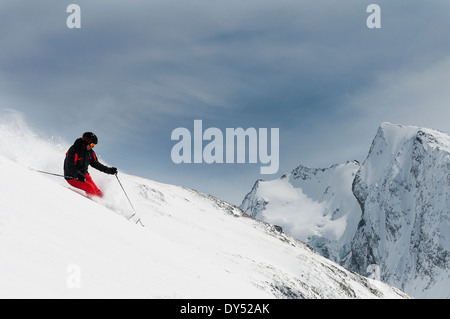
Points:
(403, 188)
(56, 243)
(389, 215)
(316, 206)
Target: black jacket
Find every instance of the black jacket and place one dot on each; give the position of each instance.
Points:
(78, 159)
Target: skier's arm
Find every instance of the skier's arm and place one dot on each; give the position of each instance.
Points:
(105, 169)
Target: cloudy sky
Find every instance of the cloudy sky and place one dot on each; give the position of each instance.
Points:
(138, 69)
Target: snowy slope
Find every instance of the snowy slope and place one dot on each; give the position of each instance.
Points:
(56, 243)
(316, 206)
(387, 217)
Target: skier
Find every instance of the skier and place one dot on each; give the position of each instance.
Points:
(78, 158)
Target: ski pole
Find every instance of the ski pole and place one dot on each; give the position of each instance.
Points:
(139, 220)
(126, 196)
(42, 172)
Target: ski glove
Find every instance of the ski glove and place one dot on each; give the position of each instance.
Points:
(82, 178)
(112, 171)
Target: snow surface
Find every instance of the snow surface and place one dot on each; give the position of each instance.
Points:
(56, 243)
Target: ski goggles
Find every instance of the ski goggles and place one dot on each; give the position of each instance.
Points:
(92, 145)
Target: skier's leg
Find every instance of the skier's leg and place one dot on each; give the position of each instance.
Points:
(94, 190)
(80, 185)
(89, 186)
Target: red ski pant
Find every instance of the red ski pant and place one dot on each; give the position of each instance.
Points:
(89, 186)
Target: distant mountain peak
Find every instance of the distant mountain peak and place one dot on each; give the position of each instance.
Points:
(390, 212)
(402, 188)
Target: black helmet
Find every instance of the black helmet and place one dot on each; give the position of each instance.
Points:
(90, 137)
